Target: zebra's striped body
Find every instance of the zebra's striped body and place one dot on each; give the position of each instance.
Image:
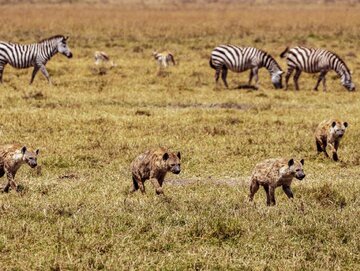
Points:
(164, 59)
(22, 56)
(239, 59)
(312, 60)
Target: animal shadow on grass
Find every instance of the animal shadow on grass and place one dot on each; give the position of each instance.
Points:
(246, 86)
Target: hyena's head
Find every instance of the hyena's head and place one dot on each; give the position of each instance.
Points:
(338, 128)
(172, 162)
(63, 48)
(30, 157)
(296, 168)
(276, 79)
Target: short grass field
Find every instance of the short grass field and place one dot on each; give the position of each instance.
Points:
(75, 212)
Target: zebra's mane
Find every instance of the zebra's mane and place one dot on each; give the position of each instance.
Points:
(271, 57)
(52, 38)
(342, 62)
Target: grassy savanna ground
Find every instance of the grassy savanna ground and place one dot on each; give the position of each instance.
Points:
(77, 215)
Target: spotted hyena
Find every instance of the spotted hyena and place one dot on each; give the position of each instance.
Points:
(329, 133)
(272, 173)
(12, 157)
(153, 165)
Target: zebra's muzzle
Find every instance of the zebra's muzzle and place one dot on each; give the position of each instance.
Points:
(69, 55)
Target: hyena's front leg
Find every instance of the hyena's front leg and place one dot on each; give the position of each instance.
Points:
(334, 152)
(288, 191)
(157, 186)
(254, 187)
(266, 188)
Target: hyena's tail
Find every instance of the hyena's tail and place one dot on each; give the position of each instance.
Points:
(283, 54)
(211, 64)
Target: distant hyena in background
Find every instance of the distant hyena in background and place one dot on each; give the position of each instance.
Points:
(272, 173)
(12, 157)
(329, 133)
(153, 165)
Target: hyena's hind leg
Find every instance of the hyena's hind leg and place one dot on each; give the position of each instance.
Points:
(318, 146)
(254, 187)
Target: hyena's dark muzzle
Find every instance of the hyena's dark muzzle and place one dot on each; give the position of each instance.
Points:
(300, 175)
(176, 169)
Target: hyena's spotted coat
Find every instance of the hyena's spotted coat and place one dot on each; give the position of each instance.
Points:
(273, 173)
(329, 133)
(12, 157)
(153, 165)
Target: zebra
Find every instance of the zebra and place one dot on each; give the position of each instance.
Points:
(314, 60)
(164, 59)
(239, 59)
(22, 56)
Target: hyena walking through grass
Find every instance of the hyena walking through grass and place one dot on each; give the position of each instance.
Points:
(12, 157)
(153, 165)
(329, 133)
(273, 173)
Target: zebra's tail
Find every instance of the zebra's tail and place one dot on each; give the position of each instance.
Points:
(283, 54)
(211, 64)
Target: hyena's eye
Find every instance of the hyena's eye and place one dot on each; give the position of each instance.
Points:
(298, 169)
(172, 165)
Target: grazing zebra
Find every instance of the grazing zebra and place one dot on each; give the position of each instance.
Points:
(35, 55)
(163, 59)
(239, 59)
(313, 60)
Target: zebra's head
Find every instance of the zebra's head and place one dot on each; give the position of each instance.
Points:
(276, 79)
(348, 84)
(63, 48)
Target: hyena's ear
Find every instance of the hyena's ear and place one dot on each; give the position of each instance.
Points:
(37, 151)
(346, 124)
(333, 124)
(165, 156)
(291, 162)
(302, 161)
(178, 155)
(23, 150)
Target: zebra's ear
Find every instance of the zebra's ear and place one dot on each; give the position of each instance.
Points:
(280, 72)
(66, 38)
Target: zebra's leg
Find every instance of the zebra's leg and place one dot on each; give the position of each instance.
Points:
(217, 75)
(251, 76)
(287, 77)
(321, 78)
(224, 75)
(324, 81)
(45, 73)
(296, 79)
(2, 66)
(256, 75)
(36, 69)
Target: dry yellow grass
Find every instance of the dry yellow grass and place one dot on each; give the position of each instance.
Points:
(77, 215)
